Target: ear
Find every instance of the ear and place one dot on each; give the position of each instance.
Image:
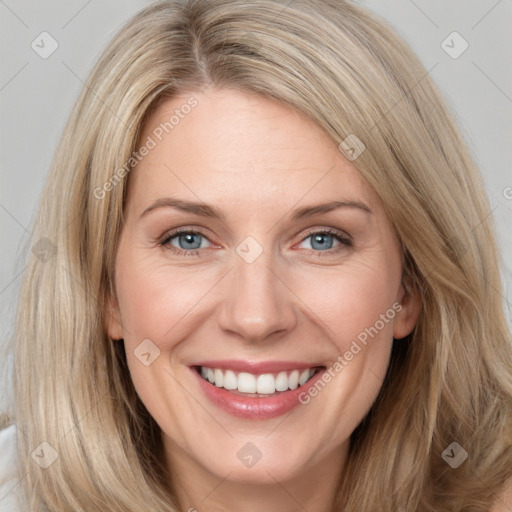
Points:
(113, 322)
(409, 298)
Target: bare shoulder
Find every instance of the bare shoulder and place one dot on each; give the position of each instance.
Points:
(504, 502)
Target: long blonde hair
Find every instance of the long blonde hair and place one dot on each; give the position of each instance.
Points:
(449, 381)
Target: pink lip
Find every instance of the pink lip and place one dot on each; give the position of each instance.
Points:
(254, 408)
(256, 368)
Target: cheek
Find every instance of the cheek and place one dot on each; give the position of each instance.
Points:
(155, 297)
(353, 299)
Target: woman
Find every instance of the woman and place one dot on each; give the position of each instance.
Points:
(336, 339)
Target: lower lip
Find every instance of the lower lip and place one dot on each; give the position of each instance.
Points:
(255, 408)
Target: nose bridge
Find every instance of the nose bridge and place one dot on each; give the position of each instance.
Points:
(257, 303)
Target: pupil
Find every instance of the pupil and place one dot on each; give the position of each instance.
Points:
(321, 240)
(189, 239)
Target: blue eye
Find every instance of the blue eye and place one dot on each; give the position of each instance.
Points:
(189, 242)
(322, 240)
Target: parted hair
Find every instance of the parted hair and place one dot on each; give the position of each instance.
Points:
(449, 381)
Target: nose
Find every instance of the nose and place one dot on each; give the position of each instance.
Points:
(258, 305)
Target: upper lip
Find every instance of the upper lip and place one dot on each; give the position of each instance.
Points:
(257, 368)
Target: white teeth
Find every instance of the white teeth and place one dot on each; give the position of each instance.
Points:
(293, 379)
(304, 377)
(282, 381)
(230, 381)
(219, 378)
(264, 384)
(246, 383)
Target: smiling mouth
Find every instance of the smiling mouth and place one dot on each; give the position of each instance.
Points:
(264, 385)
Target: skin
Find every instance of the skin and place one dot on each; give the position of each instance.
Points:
(257, 160)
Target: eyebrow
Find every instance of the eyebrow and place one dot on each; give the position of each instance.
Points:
(206, 210)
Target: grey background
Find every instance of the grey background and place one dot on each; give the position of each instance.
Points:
(36, 96)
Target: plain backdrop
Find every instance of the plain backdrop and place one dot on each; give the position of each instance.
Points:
(36, 96)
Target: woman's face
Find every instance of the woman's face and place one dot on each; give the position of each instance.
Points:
(272, 288)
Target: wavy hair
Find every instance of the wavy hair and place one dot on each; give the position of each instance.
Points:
(449, 381)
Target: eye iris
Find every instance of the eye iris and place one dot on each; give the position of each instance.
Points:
(318, 240)
(320, 237)
(188, 240)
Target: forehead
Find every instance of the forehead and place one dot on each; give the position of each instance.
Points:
(243, 149)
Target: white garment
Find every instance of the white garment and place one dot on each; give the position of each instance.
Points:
(11, 499)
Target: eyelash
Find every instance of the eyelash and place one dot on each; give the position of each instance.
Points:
(344, 241)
